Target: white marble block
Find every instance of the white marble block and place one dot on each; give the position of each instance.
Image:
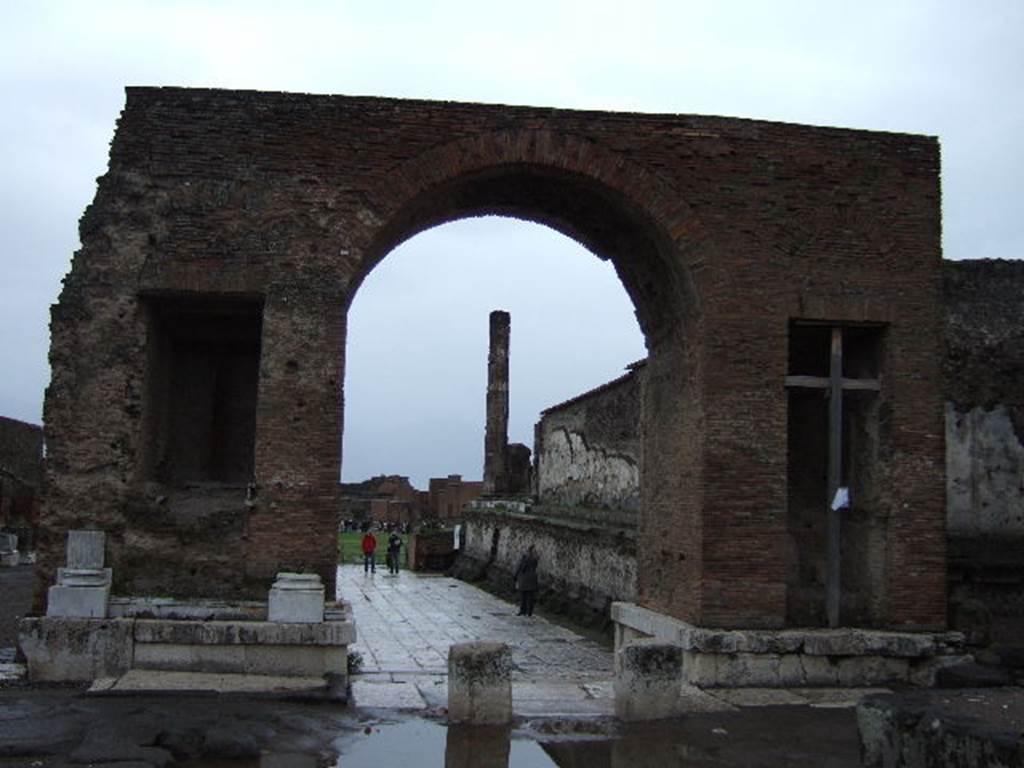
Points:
(82, 593)
(85, 549)
(296, 598)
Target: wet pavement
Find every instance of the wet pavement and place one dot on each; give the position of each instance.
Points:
(562, 698)
(61, 728)
(406, 623)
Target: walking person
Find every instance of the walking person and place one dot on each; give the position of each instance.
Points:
(394, 548)
(369, 552)
(526, 581)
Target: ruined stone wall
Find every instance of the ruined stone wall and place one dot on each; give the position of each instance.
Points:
(581, 569)
(21, 474)
(21, 451)
(385, 498)
(984, 375)
(588, 451)
(723, 231)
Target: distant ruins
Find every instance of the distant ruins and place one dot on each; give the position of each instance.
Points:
(21, 478)
(195, 411)
(393, 499)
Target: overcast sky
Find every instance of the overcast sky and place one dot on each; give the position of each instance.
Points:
(418, 330)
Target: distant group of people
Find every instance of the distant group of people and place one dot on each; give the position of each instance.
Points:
(369, 546)
(526, 581)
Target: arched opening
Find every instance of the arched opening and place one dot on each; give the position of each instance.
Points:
(617, 228)
(416, 359)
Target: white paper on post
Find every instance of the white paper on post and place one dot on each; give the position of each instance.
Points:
(841, 499)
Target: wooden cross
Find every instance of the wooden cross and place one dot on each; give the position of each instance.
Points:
(834, 384)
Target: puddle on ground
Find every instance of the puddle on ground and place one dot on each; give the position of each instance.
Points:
(428, 743)
(771, 736)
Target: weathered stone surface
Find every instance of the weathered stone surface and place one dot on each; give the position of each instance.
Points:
(277, 660)
(984, 338)
(859, 671)
(588, 449)
(59, 649)
(971, 675)
(581, 568)
(648, 679)
(968, 729)
(243, 632)
(78, 601)
(85, 549)
(173, 608)
(479, 683)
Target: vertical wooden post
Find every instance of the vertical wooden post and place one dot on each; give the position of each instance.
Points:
(835, 469)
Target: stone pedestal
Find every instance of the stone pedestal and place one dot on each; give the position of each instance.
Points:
(82, 593)
(480, 683)
(296, 598)
(83, 587)
(648, 675)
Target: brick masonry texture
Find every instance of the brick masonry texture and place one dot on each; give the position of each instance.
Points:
(722, 231)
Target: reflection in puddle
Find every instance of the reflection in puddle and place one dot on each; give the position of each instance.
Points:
(767, 736)
(426, 743)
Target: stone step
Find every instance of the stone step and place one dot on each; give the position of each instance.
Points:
(144, 681)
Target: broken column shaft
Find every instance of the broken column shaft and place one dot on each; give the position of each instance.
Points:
(496, 430)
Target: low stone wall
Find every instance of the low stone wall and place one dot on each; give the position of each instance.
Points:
(582, 567)
(80, 649)
(955, 729)
(714, 658)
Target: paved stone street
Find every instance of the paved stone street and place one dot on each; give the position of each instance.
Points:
(406, 623)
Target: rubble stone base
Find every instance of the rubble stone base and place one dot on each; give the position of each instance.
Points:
(797, 658)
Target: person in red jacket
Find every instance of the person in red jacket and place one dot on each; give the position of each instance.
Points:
(369, 552)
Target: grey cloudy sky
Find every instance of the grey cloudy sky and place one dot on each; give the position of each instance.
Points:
(417, 348)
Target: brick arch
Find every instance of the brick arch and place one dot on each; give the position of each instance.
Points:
(619, 210)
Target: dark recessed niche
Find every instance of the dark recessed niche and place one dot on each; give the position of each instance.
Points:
(202, 380)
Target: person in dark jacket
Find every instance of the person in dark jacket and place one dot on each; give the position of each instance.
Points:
(394, 548)
(526, 581)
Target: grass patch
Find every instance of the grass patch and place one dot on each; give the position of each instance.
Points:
(350, 548)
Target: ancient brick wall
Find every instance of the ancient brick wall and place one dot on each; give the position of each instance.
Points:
(723, 232)
(450, 495)
(588, 451)
(385, 498)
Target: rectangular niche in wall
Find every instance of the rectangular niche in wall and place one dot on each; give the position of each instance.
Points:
(202, 377)
(858, 353)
